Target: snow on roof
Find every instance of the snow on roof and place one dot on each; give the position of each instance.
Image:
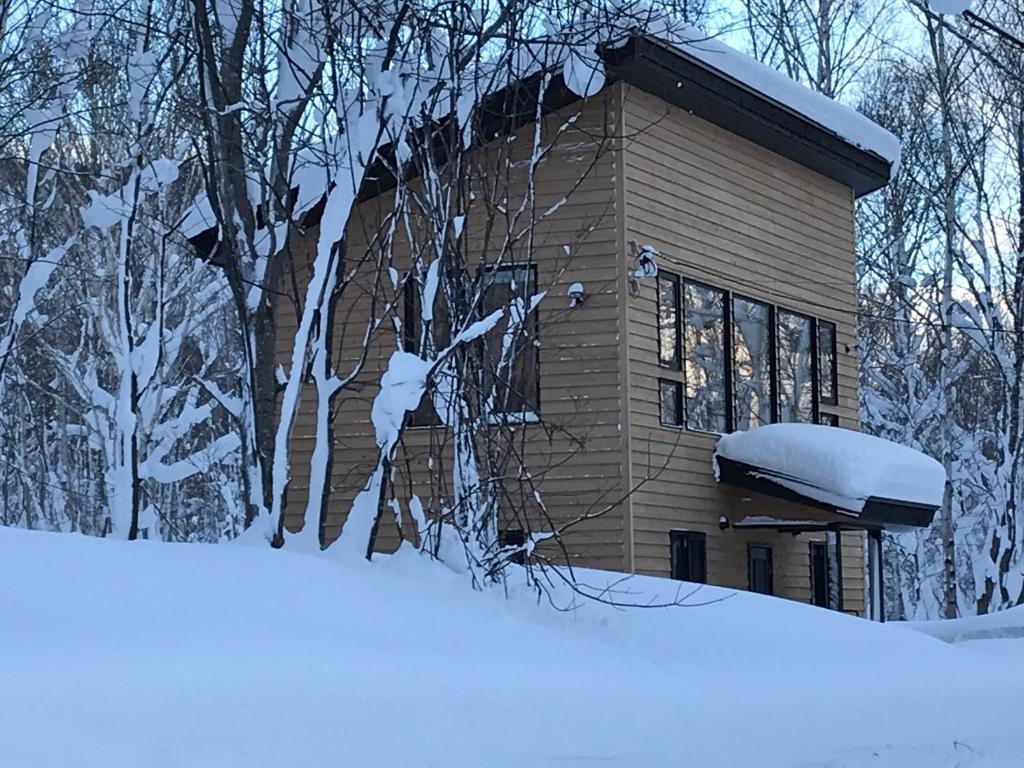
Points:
(846, 123)
(836, 466)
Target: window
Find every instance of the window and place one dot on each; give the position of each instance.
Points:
(704, 344)
(825, 574)
(759, 569)
(744, 363)
(668, 321)
(819, 574)
(418, 342)
(689, 556)
(795, 367)
(511, 374)
(827, 374)
(513, 537)
(752, 363)
(671, 402)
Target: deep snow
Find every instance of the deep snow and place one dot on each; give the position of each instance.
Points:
(122, 654)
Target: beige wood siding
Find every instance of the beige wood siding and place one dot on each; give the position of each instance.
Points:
(576, 455)
(724, 211)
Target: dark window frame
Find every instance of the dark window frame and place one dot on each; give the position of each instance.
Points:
(681, 422)
(695, 542)
(524, 415)
(834, 372)
(726, 352)
(814, 363)
(770, 559)
(772, 362)
(774, 310)
(676, 363)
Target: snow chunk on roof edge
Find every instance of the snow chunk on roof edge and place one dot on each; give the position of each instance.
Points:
(847, 123)
(840, 466)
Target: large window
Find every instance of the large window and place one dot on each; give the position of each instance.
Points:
(744, 363)
(796, 366)
(511, 360)
(689, 556)
(704, 355)
(752, 363)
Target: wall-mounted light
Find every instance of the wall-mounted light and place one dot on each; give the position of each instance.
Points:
(575, 294)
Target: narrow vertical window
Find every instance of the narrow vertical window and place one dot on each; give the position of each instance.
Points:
(795, 367)
(689, 559)
(704, 343)
(671, 402)
(751, 359)
(511, 364)
(423, 337)
(668, 321)
(827, 386)
(759, 569)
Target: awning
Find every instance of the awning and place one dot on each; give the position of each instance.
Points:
(868, 479)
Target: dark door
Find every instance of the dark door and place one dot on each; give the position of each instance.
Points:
(759, 569)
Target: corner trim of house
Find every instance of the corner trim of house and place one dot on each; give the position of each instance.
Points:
(625, 423)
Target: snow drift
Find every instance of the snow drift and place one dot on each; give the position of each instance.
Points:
(120, 654)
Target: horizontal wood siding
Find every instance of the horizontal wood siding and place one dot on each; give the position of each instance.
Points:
(575, 456)
(724, 211)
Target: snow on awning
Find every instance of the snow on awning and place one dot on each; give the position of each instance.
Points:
(870, 478)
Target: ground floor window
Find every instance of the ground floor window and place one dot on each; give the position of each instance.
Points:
(689, 556)
(759, 569)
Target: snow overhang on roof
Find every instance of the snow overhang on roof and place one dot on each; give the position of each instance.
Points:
(741, 95)
(873, 480)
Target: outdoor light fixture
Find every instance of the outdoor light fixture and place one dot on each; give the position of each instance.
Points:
(575, 293)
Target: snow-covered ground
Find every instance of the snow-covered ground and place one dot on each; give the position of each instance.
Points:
(138, 654)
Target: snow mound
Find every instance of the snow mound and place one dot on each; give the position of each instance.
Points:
(1007, 624)
(121, 654)
(838, 466)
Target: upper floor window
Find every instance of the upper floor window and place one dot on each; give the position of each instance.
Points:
(827, 374)
(704, 353)
(744, 363)
(752, 362)
(511, 359)
(668, 321)
(796, 366)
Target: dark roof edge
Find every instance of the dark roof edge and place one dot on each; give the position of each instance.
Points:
(679, 79)
(668, 72)
(876, 511)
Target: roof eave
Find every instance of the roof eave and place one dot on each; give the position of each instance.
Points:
(680, 79)
(877, 512)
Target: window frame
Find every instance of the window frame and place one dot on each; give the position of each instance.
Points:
(834, 372)
(525, 416)
(680, 283)
(750, 568)
(773, 385)
(726, 352)
(676, 537)
(676, 364)
(678, 386)
(814, 365)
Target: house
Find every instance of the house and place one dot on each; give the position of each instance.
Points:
(738, 187)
